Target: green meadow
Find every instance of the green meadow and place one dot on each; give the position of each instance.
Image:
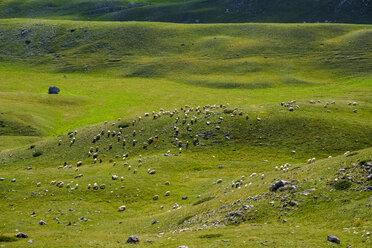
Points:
(239, 74)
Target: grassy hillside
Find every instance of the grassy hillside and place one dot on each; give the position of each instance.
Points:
(103, 68)
(191, 11)
(214, 214)
(245, 77)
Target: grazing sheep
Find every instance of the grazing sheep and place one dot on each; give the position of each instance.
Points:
(155, 197)
(59, 142)
(167, 193)
(78, 176)
(95, 186)
(38, 184)
(80, 163)
(103, 186)
(53, 182)
(167, 183)
(122, 208)
(219, 181)
(89, 186)
(114, 177)
(152, 172)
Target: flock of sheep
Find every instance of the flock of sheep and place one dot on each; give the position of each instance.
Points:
(184, 119)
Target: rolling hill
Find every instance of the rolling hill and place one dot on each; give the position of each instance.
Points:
(193, 11)
(185, 135)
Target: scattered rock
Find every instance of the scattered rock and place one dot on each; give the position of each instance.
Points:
(53, 90)
(133, 239)
(278, 185)
(306, 192)
(333, 239)
(21, 235)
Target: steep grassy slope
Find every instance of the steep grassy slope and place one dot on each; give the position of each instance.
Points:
(191, 11)
(240, 64)
(222, 216)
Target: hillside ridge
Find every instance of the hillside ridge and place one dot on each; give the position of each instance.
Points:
(194, 11)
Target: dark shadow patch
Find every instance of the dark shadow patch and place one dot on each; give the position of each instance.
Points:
(295, 81)
(232, 84)
(4, 238)
(210, 236)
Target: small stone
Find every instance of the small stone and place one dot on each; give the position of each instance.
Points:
(333, 239)
(133, 239)
(278, 185)
(21, 235)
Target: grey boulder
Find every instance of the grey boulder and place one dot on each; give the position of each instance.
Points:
(333, 239)
(53, 90)
(21, 235)
(133, 239)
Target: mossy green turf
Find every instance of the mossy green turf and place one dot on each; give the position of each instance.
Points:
(122, 70)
